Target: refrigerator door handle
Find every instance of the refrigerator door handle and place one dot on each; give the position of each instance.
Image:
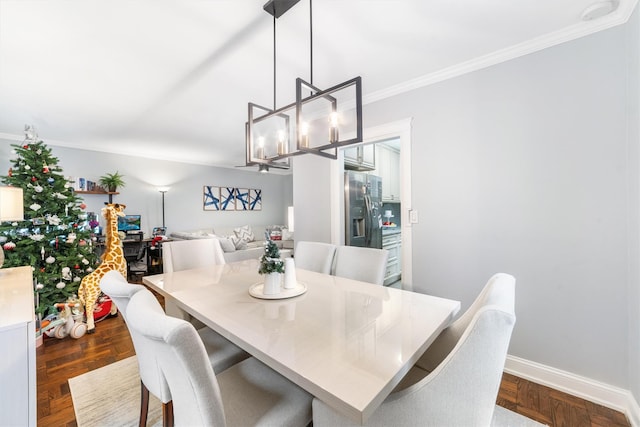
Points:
(368, 220)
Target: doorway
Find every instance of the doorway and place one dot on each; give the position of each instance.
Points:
(396, 137)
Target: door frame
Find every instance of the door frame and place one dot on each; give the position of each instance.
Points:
(398, 129)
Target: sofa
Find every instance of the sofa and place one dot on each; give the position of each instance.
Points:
(242, 243)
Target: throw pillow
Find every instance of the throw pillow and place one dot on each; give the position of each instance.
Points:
(244, 233)
(238, 243)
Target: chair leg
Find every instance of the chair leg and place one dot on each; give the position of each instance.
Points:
(167, 414)
(144, 404)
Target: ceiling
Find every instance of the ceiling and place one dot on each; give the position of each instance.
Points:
(171, 79)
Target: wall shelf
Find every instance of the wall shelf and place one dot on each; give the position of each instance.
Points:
(109, 193)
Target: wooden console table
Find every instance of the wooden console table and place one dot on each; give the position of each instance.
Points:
(18, 337)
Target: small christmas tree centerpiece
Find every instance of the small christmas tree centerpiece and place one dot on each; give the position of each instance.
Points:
(272, 266)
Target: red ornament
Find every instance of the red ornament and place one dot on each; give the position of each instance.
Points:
(26, 147)
(83, 206)
(75, 225)
(76, 266)
(34, 179)
(10, 172)
(45, 169)
(41, 269)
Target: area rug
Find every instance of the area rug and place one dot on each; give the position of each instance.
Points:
(110, 396)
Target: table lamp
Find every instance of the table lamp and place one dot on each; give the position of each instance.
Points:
(11, 208)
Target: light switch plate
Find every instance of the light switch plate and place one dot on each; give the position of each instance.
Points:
(413, 216)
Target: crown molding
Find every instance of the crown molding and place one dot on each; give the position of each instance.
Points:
(581, 29)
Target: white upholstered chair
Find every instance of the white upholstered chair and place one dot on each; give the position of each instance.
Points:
(315, 256)
(364, 264)
(462, 389)
(187, 254)
(221, 353)
(247, 394)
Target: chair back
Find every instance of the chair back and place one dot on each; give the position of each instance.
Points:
(446, 341)
(315, 256)
(186, 254)
(174, 349)
(363, 264)
(121, 292)
(463, 388)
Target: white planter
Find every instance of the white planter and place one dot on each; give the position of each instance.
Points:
(271, 284)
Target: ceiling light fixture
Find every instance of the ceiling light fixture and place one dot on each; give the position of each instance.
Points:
(321, 118)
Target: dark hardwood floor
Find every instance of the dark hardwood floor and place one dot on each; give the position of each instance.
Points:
(59, 360)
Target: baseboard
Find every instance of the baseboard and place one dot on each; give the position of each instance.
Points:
(603, 394)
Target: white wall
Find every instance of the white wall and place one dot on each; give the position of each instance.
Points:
(183, 202)
(523, 168)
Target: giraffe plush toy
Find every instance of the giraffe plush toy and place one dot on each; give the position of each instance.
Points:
(112, 259)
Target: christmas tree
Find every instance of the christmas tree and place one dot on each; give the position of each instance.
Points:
(55, 237)
(270, 261)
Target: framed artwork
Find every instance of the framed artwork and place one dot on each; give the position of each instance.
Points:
(255, 200)
(227, 199)
(242, 199)
(211, 198)
(231, 198)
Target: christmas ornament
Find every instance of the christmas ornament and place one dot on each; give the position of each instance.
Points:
(45, 168)
(51, 180)
(39, 286)
(83, 206)
(9, 246)
(77, 267)
(60, 285)
(38, 189)
(50, 260)
(35, 207)
(10, 172)
(34, 179)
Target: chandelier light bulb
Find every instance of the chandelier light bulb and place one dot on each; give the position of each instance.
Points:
(260, 151)
(333, 127)
(304, 134)
(281, 144)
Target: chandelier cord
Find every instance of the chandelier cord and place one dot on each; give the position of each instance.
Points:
(274, 62)
(311, 39)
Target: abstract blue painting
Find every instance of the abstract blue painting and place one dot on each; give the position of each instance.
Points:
(211, 198)
(255, 200)
(242, 199)
(227, 198)
(231, 199)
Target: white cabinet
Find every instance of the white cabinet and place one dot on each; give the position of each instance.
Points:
(18, 361)
(393, 243)
(388, 167)
(361, 157)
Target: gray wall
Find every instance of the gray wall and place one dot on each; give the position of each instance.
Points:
(525, 168)
(183, 202)
(633, 55)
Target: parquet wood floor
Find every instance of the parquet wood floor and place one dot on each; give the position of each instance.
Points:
(59, 360)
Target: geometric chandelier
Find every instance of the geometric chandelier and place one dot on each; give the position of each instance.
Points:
(319, 122)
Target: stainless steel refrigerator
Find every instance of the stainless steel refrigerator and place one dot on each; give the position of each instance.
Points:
(363, 209)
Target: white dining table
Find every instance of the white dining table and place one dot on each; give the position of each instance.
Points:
(346, 342)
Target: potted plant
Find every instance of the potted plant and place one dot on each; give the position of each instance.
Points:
(112, 181)
(272, 266)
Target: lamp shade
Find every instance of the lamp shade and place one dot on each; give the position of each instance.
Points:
(11, 204)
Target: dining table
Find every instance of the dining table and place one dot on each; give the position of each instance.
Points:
(346, 342)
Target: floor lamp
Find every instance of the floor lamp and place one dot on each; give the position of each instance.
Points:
(163, 190)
